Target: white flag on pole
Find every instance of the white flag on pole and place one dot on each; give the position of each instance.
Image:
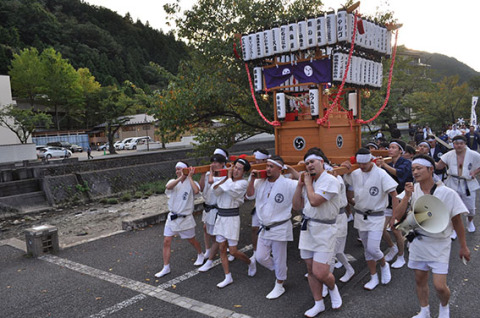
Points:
(473, 116)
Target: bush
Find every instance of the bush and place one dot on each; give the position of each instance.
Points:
(104, 200)
(112, 201)
(138, 195)
(126, 197)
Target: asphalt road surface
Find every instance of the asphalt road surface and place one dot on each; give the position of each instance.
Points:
(114, 277)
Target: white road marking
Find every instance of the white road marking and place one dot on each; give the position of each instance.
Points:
(117, 307)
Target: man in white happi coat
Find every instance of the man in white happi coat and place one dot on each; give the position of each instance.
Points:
(210, 209)
(318, 195)
(261, 155)
(230, 193)
(463, 167)
(180, 221)
(273, 197)
(371, 187)
(430, 251)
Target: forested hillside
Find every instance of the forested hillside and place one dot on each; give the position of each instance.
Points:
(112, 47)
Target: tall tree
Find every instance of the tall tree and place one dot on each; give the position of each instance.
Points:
(23, 122)
(26, 74)
(213, 85)
(61, 86)
(115, 104)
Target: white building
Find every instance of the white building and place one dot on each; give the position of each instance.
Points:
(11, 150)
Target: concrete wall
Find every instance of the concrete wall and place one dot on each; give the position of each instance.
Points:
(17, 152)
(10, 147)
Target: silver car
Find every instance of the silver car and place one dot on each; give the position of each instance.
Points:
(54, 152)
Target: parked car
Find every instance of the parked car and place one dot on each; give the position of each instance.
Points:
(75, 148)
(39, 148)
(132, 144)
(54, 152)
(61, 144)
(120, 145)
(103, 147)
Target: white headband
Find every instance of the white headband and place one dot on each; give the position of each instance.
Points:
(313, 157)
(364, 158)
(221, 152)
(181, 165)
(423, 162)
(276, 163)
(260, 155)
(425, 143)
(431, 139)
(396, 143)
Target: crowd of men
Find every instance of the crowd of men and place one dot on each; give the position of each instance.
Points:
(375, 196)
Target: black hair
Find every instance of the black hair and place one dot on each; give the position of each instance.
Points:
(384, 145)
(410, 150)
(459, 137)
(316, 151)
(262, 150)
(218, 158)
(245, 163)
(277, 158)
(363, 151)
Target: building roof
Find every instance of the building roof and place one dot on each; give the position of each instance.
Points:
(138, 119)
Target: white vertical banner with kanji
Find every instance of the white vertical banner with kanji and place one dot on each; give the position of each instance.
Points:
(473, 116)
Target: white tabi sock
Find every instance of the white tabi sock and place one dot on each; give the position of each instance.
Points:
(200, 259)
(315, 310)
(424, 312)
(252, 268)
(277, 291)
(165, 270)
(227, 281)
(207, 266)
(444, 311)
(207, 253)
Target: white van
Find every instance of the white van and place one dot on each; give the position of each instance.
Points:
(120, 145)
(132, 144)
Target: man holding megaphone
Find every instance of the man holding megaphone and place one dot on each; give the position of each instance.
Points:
(431, 244)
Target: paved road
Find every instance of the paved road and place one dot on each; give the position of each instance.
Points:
(114, 277)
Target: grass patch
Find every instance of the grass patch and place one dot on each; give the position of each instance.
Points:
(112, 201)
(126, 197)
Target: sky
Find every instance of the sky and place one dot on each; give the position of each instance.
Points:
(436, 26)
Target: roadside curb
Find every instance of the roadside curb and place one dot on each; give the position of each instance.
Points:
(144, 221)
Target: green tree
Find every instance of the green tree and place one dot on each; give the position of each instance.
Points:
(442, 105)
(115, 104)
(26, 75)
(212, 85)
(89, 91)
(61, 87)
(408, 78)
(23, 122)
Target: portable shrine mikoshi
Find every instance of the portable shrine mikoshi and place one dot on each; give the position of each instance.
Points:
(316, 70)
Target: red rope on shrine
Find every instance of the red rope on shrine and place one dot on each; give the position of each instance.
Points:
(361, 121)
(272, 123)
(322, 120)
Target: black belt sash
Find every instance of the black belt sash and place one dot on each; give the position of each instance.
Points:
(254, 210)
(467, 191)
(368, 213)
(305, 221)
(228, 212)
(272, 225)
(174, 216)
(208, 207)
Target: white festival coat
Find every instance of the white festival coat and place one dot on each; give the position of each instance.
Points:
(435, 247)
(229, 195)
(371, 194)
(342, 219)
(470, 163)
(210, 199)
(180, 201)
(320, 237)
(275, 205)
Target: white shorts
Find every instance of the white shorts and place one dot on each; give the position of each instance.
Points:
(436, 267)
(186, 234)
(221, 239)
(319, 257)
